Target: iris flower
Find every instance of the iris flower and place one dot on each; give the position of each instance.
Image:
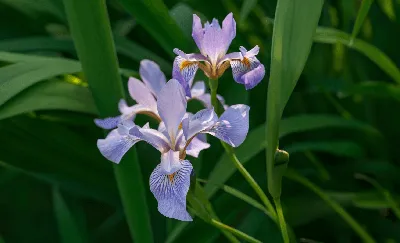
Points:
(145, 94)
(170, 180)
(213, 43)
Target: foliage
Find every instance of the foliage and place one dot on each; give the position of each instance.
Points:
(340, 124)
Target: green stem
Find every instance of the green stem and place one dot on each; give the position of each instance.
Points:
(281, 220)
(291, 174)
(234, 231)
(91, 32)
(231, 153)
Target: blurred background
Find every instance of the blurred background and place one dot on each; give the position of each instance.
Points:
(341, 126)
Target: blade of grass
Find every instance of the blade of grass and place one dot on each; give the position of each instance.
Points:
(94, 44)
(362, 14)
(292, 175)
(385, 193)
(67, 225)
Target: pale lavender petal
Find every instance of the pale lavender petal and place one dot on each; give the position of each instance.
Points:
(153, 137)
(141, 94)
(248, 71)
(170, 191)
(170, 162)
(233, 125)
(108, 123)
(216, 41)
(115, 145)
(197, 32)
(196, 146)
(199, 88)
(152, 76)
(184, 71)
(230, 56)
(201, 121)
(171, 105)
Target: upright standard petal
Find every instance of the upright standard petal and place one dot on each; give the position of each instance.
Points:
(152, 76)
(171, 190)
(115, 145)
(248, 70)
(201, 121)
(217, 40)
(141, 94)
(198, 32)
(171, 105)
(233, 125)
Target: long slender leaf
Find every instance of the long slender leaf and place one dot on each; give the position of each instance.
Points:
(16, 77)
(153, 15)
(67, 225)
(362, 14)
(94, 44)
(295, 24)
(50, 95)
(332, 36)
(256, 142)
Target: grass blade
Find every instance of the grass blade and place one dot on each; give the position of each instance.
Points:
(50, 95)
(291, 174)
(94, 44)
(153, 15)
(362, 14)
(332, 36)
(67, 226)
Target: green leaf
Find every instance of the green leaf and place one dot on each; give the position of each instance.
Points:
(95, 47)
(332, 36)
(16, 77)
(153, 15)
(67, 226)
(256, 142)
(295, 24)
(362, 14)
(50, 95)
(339, 148)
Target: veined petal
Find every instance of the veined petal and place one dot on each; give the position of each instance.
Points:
(141, 94)
(171, 105)
(108, 123)
(152, 76)
(201, 121)
(115, 145)
(171, 190)
(170, 162)
(233, 125)
(197, 144)
(198, 89)
(248, 70)
(197, 32)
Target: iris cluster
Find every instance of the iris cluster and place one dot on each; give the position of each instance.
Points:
(179, 132)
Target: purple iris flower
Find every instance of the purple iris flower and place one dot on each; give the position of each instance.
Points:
(213, 43)
(145, 94)
(170, 180)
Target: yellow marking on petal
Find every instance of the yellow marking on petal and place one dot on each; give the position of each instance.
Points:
(246, 62)
(185, 64)
(171, 177)
(180, 126)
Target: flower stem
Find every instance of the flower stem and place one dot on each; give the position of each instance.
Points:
(231, 153)
(281, 220)
(234, 231)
